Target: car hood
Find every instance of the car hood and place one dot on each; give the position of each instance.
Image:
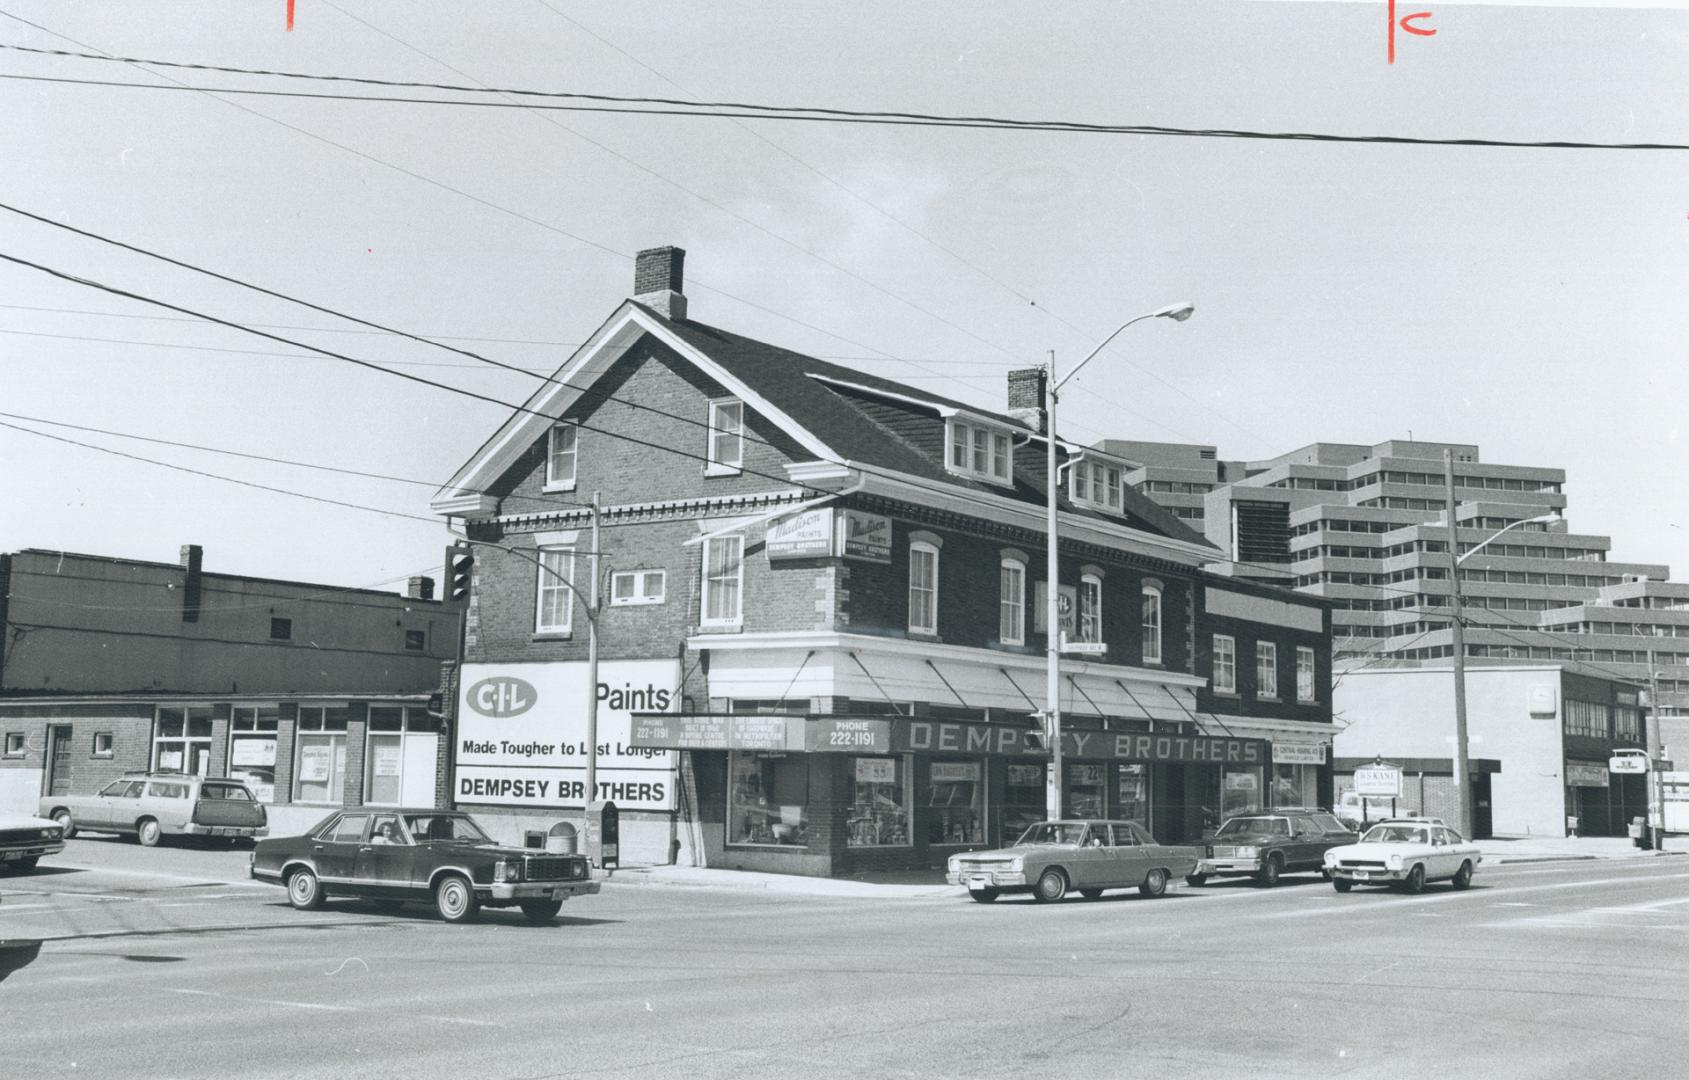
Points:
(26, 821)
(1377, 850)
(1247, 838)
(1020, 852)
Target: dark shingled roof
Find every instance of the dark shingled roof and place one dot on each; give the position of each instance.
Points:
(833, 415)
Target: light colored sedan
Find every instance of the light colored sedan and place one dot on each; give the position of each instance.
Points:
(1405, 852)
(24, 839)
(1052, 857)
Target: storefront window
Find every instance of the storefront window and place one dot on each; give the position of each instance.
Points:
(320, 761)
(252, 749)
(956, 810)
(1023, 800)
(878, 802)
(1134, 793)
(400, 758)
(1293, 785)
(1086, 791)
(183, 740)
(1241, 791)
(768, 799)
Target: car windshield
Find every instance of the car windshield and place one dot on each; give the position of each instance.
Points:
(1256, 826)
(1395, 834)
(1051, 832)
(459, 828)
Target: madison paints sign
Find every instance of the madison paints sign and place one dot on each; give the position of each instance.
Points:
(521, 734)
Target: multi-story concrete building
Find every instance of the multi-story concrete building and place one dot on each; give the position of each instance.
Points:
(821, 617)
(1363, 526)
(316, 696)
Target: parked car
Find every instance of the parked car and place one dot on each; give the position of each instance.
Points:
(1270, 843)
(400, 855)
(1360, 812)
(1052, 857)
(24, 839)
(1406, 852)
(158, 804)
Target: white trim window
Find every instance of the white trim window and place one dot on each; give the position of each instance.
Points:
(979, 451)
(1266, 669)
(1091, 609)
(1304, 673)
(1152, 625)
(1225, 664)
(554, 598)
(1095, 483)
(561, 452)
(1011, 607)
(923, 588)
(727, 437)
(631, 587)
(722, 603)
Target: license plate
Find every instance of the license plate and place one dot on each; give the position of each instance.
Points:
(558, 894)
(8, 856)
(979, 882)
(1361, 874)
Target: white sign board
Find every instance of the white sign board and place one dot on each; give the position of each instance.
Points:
(1384, 780)
(1298, 753)
(807, 534)
(1627, 763)
(521, 734)
(871, 770)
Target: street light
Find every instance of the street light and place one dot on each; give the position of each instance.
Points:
(1462, 766)
(1052, 609)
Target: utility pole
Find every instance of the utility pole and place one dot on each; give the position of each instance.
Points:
(1655, 794)
(1052, 603)
(1462, 783)
(592, 667)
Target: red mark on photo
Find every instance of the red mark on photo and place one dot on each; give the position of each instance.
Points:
(290, 15)
(1405, 22)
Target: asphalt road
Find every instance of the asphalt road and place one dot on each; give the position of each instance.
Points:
(164, 963)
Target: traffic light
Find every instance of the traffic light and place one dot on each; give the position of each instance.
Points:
(460, 570)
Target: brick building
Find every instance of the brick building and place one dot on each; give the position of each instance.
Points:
(316, 696)
(821, 625)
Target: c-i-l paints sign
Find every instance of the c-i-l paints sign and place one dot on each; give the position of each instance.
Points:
(521, 734)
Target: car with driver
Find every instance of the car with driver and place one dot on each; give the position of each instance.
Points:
(1052, 857)
(1404, 853)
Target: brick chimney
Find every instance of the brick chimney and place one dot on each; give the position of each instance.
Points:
(1026, 396)
(419, 588)
(659, 279)
(190, 560)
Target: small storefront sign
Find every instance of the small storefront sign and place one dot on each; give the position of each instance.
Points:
(1067, 602)
(248, 751)
(958, 772)
(314, 763)
(1623, 762)
(807, 534)
(719, 731)
(1379, 780)
(876, 770)
(865, 536)
(1582, 774)
(1298, 753)
(388, 760)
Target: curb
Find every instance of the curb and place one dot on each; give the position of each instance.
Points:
(854, 891)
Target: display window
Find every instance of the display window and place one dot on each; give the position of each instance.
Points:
(182, 742)
(400, 757)
(320, 756)
(1293, 785)
(1240, 791)
(956, 803)
(1087, 791)
(1134, 793)
(1023, 799)
(767, 799)
(877, 802)
(252, 749)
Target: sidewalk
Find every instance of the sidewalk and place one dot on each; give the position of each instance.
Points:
(889, 885)
(1556, 848)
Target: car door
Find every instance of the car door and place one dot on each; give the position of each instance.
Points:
(1131, 857)
(1306, 847)
(386, 861)
(335, 848)
(1451, 854)
(96, 811)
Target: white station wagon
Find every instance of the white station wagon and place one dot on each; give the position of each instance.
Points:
(156, 805)
(1404, 852)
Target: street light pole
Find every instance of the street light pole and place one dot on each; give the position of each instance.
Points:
(1655, 791)
(1462, 785)
(1052, 572)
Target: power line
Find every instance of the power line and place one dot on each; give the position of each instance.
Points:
(234, 352)
(618, 103)
(279, 326)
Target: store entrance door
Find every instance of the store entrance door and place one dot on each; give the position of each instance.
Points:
(1481, 812)
(58, 760)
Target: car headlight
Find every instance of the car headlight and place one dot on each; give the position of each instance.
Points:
(1015, 865)
(950, 864)
(51, 834)
(1395, 862)
(1248, 851)
(504, 870)
(1330, 859)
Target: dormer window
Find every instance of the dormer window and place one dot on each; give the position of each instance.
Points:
(560, 455)
(1095, 483)
(727, 438)
(980, 451)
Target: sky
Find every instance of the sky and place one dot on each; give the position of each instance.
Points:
(1531, 301)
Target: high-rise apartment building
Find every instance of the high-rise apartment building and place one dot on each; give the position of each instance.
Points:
(1364, 526)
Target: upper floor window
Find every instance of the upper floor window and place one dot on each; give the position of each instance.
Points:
(1152, 625)
(1304, 673)
(724, 579)
(727, 437)
(1266, 669)
(1225, 664)
(1011, 609)
(1091, 608)
(554, 606)
(1096, 483)
(977, 450)
(923, 588)
(560, 457)
(281, 629)
(629, 587)
(416, 640)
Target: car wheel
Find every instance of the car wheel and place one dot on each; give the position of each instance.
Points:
(455, 899)
(1463, 876)
(1154, 884)
(1090, 894)
(1268, 874)
(983, 896)
(1196, 879)
(1340, 885)
(541, 911)
(1415, 882)
(1052, 886)
(304, 891)
(148, 832)
(66, 823)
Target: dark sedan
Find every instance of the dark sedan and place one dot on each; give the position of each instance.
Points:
(399, 855)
